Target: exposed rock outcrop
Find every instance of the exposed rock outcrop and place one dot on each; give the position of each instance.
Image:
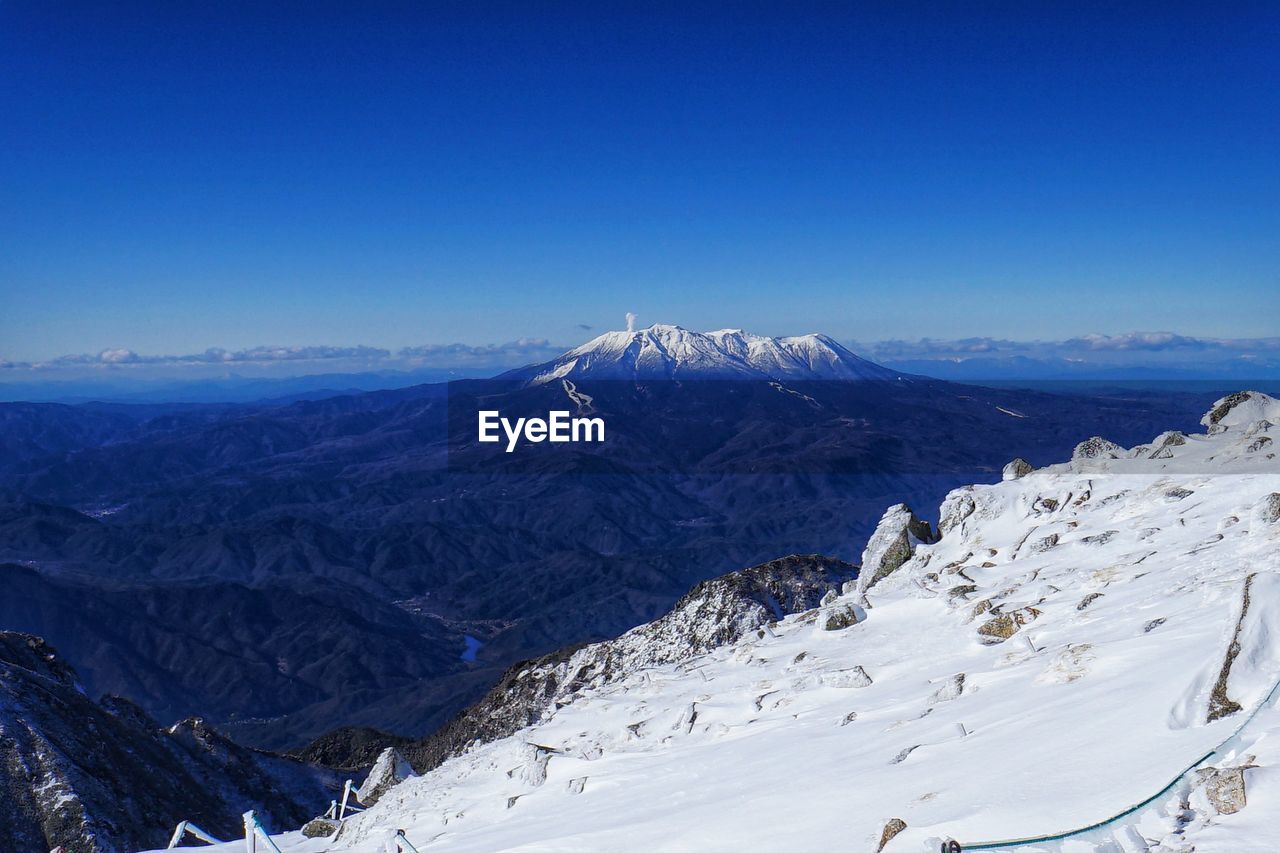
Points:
(1161, 448)
(389, 770)
(350, 748)
(1220, 704)
(891, 830)
(956, 507)
(1097, 447)
(320, 827)
(952, 688)
(1242, 409)
(852, 677)
(99, 778)
(839, 616)
(892, 544)
(712, 614)
(1005, 625)
(1225, 788)
(1268, 509)
(1017, 469)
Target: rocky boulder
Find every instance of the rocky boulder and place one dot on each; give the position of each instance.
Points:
(1162, 447)
(892, 544)
(1003, 626)
(320, 827)
(389, 770)
(956, 507)
(840, 615)
(1017, 469)
(1267, 510)
(1097, 447)
(890, 832)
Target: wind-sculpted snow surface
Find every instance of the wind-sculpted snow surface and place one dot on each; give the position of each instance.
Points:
(1081, 639)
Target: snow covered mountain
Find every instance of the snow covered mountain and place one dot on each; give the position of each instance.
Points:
(671, 352)
(1081, 658)
(714, 613)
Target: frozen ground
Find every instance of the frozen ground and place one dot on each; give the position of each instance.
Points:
(1076, 641)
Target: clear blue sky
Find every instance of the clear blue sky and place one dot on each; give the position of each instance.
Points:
(175, 176)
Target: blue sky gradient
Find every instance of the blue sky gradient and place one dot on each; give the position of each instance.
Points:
(181, 176)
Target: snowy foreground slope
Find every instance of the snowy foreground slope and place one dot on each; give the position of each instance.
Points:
(1081, 639)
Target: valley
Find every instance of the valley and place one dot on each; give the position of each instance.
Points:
(278, 538)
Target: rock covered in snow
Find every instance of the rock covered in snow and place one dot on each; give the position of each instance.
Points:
(892, 544)
(1097, 447)
(956, 507)
(853, 677)
(1241, 409)
(1225, 788)
(1016, 469)
(1005, 625)
(951, 689)
(320, 827)
(1162, 447)
(389, 770)
(1268, 509)
(839, 615)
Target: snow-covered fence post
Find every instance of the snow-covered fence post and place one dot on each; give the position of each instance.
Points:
(188, 828)
(255, 836)
(347, 791)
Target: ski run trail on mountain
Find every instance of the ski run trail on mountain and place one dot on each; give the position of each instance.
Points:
(1077, 639)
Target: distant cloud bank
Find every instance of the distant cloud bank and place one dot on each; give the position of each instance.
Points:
(511, 354)
(1146, 342)
(1132, 354)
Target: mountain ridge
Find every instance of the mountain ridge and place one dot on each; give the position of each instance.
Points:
(103, 777)
(1090, 650)
(673, 352)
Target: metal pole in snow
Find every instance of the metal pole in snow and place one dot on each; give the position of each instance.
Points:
(397, 843)
(254, 832)
(346, 793)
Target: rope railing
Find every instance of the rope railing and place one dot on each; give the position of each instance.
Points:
(1071, 833)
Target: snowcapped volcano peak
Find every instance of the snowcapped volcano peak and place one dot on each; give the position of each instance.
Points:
(673, 352)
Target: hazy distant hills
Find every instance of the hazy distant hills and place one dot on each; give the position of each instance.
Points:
(306, 522)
